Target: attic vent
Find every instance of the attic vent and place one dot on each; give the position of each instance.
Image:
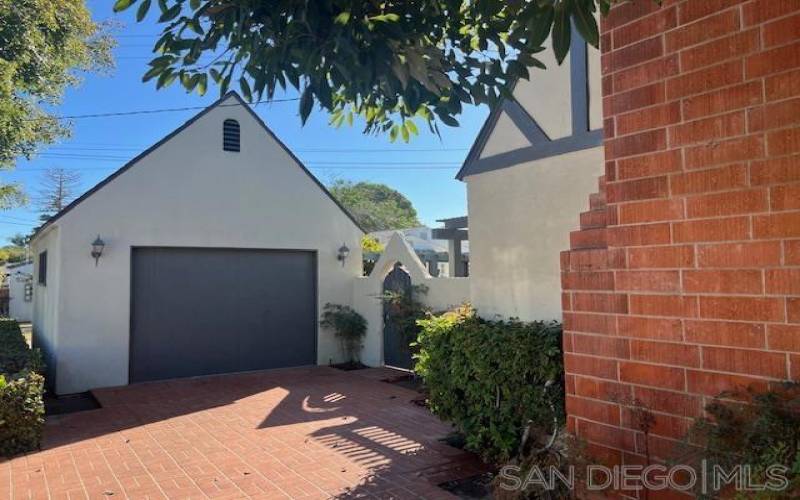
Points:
(230, 135)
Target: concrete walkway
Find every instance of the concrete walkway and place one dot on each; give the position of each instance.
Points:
(294, 433)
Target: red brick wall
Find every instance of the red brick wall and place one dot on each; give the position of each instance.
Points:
(684, 279)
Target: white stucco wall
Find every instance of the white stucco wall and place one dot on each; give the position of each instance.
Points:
(443, 293)
(519, 223)
(186, 193)
(45, 297)
(18, 307)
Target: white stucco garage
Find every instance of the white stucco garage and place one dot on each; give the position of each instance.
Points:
(211, 256)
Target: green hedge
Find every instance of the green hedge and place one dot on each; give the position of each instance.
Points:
(492, 378)
(21, 392)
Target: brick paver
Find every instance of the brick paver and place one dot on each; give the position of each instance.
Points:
(294, 433)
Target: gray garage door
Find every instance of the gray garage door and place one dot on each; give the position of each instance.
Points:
(205, 311)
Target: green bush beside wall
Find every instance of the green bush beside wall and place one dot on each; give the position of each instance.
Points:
(492, 378)
(21, 392)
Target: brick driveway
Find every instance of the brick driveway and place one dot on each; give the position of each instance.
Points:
(294, 433)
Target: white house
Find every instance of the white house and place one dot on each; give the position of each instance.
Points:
(529, 173)
(219, 250)
(20, 291)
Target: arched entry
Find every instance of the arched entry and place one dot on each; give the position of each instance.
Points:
(396, 351)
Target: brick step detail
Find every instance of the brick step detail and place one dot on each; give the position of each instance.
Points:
(588, 238)
(594, 219)
(597, 200)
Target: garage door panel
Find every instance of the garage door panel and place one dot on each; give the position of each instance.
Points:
(206, 311)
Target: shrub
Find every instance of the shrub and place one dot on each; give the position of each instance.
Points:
(758, 429)
(21, 392)
(492, 379)
(348, 326)
(21, 413)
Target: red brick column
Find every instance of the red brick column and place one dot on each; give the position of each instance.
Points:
(684, 279)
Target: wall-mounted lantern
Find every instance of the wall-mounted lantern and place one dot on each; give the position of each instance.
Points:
(97, 249)
(344, 252)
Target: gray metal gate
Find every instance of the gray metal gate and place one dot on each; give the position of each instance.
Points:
(396, 350)
(201, 311)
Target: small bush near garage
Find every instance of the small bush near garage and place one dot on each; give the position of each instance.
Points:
(21, 392)
(754, 428)
(348, 326)
(492, 379)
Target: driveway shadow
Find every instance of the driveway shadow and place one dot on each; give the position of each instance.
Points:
(298, 430)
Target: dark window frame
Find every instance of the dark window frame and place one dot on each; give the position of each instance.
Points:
(231, 136)
(42, 271)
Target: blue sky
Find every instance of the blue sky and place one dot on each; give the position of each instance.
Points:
(99, 146)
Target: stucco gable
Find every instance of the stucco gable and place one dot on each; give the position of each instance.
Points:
(230, 99)
(552, 114)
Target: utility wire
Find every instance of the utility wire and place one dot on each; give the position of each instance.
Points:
(295, 150)
(326, 162)
(159, 110)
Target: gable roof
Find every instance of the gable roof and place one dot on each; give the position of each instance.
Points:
(540, 144)
(177, 131)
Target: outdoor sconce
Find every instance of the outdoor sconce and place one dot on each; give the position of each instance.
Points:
(97, 249)
(344, 252)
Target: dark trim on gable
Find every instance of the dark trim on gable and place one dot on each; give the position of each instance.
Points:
(541, 146)
(525, 122)
(481, 140)
(177, 131)
(557, 147)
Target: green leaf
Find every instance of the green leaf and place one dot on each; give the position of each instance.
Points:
(152, 73)
(166, 79)
(202, 84)
(561, 31)
(448, 120)
(385, 18)
(539, 27)
(343, 18)
(245, 86)
(412, 127)
(194, 4)
(142, 11)
(404, 132)
(170, 14)
(583, 15)
(306, 104)
(121, 5)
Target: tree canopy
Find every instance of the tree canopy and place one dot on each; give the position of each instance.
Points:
(377, 207)
(389, 62)
(43, 46)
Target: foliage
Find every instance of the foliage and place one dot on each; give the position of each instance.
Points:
(59, 187)
(387, 62)
(755, 428)
(12, 253)
(348, 326)
(492, 379)
(15, 354)
(371, 245)
(21, 390)
(403, 311)
(542, 450)
(370, 248)
(43, 44)
(20, 240)
(376, 207)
